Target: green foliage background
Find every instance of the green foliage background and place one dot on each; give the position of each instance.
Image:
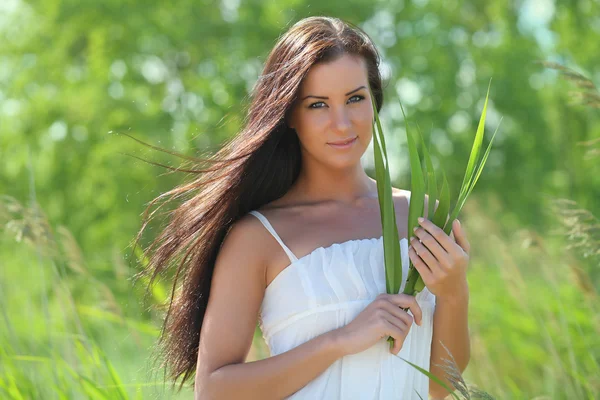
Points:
(74, 75)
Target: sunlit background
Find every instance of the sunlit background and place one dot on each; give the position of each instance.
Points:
(75, 76)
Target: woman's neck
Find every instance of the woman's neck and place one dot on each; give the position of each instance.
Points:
(347, 187)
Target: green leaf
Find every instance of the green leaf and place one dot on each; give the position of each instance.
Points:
(380, 177)
(441, 214)
(419, 285)
(483, 160)
(114, 376)
(393, 264)
(433, 377)
(417, 200)
(475, 176)
(431, 180)
(417, 182)
(475, 149)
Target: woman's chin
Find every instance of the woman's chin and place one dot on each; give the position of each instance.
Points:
(343, 163)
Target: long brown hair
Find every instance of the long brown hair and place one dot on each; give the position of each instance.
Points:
(255, 167)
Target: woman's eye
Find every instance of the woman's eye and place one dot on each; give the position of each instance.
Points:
(358, 97)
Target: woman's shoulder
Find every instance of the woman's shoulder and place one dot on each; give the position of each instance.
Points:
(248, 238)
(398, 193)
(401, 198)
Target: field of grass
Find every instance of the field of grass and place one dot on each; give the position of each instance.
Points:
(76, 78)
(76, 331)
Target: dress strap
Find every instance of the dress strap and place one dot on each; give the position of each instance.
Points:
(269, 227)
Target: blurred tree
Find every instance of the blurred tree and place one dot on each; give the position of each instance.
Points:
(73, 75)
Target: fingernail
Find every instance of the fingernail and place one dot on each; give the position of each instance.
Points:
(415, 228)
(420, 219)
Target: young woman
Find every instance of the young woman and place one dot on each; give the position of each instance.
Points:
(285, 229)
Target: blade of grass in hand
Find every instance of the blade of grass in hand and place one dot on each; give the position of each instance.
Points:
(471, 173)
(393, 266)
(482, 163)
(417, 200)
(417, 182)
(431, 189)
(391, 245)
(441, 214)
(475, 149)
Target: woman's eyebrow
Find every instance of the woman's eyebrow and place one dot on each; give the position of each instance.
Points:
(327, 98)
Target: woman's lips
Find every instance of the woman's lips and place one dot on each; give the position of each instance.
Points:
(345, 145)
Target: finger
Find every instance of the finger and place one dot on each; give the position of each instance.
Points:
(404, 301)
(461, 236)
(401, 314)
(421, 267)
(397, 346)
(425, 254)
(401, 323)
(398, 334)
(432, 245)
(437, 233)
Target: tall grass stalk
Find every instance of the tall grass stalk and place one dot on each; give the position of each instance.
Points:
(423, 183)
(52, 344)
(420, 188)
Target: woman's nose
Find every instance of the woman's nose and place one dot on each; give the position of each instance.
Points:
(341, 121)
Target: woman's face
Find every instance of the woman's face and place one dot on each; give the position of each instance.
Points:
(334, 105)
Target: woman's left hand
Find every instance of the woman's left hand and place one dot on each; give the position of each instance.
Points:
(441, 260)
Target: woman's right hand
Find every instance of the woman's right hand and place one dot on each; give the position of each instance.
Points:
(382, 318)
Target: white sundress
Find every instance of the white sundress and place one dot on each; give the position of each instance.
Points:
(325, 290)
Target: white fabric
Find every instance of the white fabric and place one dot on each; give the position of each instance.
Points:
(326, 290)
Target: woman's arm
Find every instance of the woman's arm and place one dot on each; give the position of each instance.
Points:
(274, 377)
(237, 291)
(451, 327)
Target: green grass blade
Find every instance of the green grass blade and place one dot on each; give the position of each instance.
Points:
(379, 164)
(432, 377)
(431, 190)
(391, 243)
(419, 285)
(87, 385)
(475, 149)
(483, 161)
(417, 199)
(158, 290)
(114, 376)
(441, 214)
(417, 182)
(91, 390)
(380, 176)
(431, 179)
(460, 205)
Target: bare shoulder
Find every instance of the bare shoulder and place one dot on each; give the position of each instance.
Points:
(400, 196)
(245, 251)
(246, 238)
(236, 293)
(400, 193)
